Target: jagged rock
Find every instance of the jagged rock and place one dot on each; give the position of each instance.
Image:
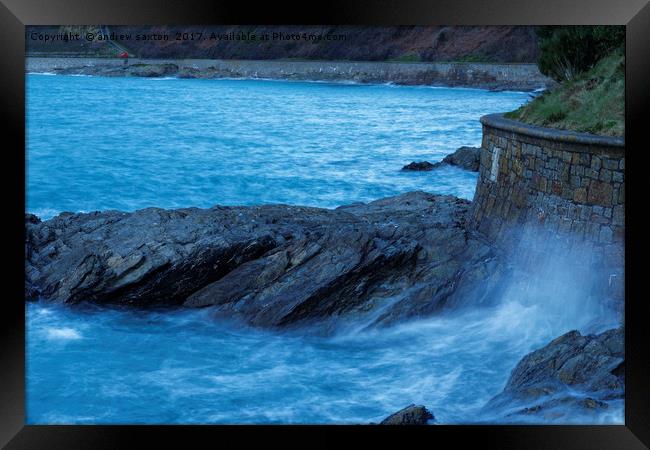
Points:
(152, 70)
(411, 415)
(467, 158)
(271, 265)
(583, 372)
(419, 166)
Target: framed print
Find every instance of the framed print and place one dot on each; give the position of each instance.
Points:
(244, 223)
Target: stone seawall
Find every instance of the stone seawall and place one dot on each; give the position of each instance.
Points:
(542, 190)
(478, 75)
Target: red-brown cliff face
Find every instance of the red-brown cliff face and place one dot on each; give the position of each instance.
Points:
(500, 44)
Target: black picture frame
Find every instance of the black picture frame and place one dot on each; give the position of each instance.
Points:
(15, 14)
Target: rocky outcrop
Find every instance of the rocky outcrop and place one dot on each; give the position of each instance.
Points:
(573, 374)
(467, 158)
(420, 166)
(411, 415)
(272, 265)
(479, 75)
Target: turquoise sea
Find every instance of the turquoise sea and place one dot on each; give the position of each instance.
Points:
(96, 143)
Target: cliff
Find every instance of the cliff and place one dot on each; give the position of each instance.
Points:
(496, 44)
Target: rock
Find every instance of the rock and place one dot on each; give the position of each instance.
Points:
(419, 166)
(467, 158)
(152, 70)
(583, 372)
(270, 265)
(411, 415)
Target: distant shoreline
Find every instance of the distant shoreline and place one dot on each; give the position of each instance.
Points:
(491, 76)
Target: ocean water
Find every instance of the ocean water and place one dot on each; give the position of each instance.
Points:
(116, 366)
(98, 143)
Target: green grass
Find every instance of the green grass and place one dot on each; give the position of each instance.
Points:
(593, 102)
(409, 57)
(475, 59)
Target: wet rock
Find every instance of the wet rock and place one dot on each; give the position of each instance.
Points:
(467, 158)
(576, 371)
(152, 70)
(411, 415)
(573, 359)
(419, 166)
(271, 265)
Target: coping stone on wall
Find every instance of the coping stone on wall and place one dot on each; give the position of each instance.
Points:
(499, 122)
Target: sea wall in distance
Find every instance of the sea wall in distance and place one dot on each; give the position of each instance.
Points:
(543, 190)
(520, 76)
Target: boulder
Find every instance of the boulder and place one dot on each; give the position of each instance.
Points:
(572, 374)
(467, 158)
(411, 415)
(419, 166)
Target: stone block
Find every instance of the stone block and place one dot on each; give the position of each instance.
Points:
(595, 163)
(592, 231)
(618, 215)
(605, 235)
(556, 188)
(605, 175)
(564, 172)
(580, 195)
(619, 233)
(600, 193)
(575, 181)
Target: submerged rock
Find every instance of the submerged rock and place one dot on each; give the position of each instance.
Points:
(573, 374)
(411, 415)
(419, 166)
(271, 265)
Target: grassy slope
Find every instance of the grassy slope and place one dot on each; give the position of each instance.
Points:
(593, 102)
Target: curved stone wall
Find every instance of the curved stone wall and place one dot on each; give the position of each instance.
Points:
(540, 188)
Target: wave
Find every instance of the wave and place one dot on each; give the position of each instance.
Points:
(63, 334)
